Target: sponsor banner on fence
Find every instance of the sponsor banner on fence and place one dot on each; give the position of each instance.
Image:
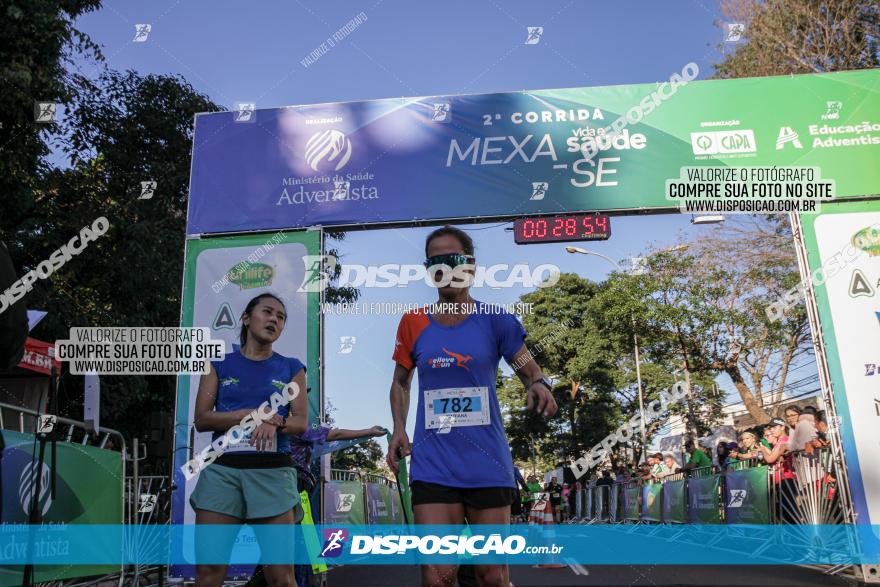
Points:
(344, 502)
(88, 494)
(379, 510)
(674, 502)
(422, 544)
(520, 153)
(614, 503)
(704, 500)
(652, 502)
(746, 496)
(600, 502)
(631, 502)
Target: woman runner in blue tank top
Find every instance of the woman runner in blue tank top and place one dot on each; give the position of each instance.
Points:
(253, 479)
(461, 466)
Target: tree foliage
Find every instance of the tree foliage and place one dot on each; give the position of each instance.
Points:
(801, 36)
(696, 313)
(115, 131)
(37, 43)
(119, 130)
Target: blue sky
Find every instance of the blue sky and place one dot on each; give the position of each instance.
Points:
(240, 52)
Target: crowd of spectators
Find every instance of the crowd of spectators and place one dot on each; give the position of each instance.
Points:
(802, 429)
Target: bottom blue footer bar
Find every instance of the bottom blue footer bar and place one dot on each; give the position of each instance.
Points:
(607, 544)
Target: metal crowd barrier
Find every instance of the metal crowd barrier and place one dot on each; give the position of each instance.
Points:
(71, 430)
(800, 488)
(352, 497)
(602, 503)
(147, 503)
(631, 492)
(24, 420)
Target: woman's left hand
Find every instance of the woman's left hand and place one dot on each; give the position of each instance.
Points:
(263, 437)
(275, 420)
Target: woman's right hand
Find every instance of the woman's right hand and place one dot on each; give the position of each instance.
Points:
(263, 437)
(399, 440)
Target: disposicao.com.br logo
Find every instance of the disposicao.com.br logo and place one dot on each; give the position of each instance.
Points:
(320, 269)
(450, 544)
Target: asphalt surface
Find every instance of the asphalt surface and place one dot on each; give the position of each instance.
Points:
(657, 576)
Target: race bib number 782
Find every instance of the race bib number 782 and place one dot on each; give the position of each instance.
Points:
(456, 406)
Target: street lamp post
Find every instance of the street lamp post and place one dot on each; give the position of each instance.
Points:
(635, 346)
(675, 248)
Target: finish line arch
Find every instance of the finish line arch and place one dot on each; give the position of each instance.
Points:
(265, 183)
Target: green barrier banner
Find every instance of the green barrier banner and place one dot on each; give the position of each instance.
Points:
(403, 483)
(587, 501)
(601, 500)
(89, 485)
(652, 502)
(379, 508)
(746, 496)
(674, 503)
(631, 502)
(704, 503)
(344, 503)
(614, 503)
(396, 507)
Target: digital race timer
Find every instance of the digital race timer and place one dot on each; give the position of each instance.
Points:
(555, 229)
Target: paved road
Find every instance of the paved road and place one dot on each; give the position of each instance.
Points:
(657, 576)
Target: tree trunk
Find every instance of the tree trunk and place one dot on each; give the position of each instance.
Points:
(749, 400)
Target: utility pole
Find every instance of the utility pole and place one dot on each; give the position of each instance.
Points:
(534, 458)
(641, 401)
(692, 423)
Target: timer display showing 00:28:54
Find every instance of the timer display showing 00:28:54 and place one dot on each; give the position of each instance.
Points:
(549, 229)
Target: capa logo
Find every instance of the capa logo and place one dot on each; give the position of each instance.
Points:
(723, 142)
(327, 148)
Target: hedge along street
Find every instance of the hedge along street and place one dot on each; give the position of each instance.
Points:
(241, 430)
